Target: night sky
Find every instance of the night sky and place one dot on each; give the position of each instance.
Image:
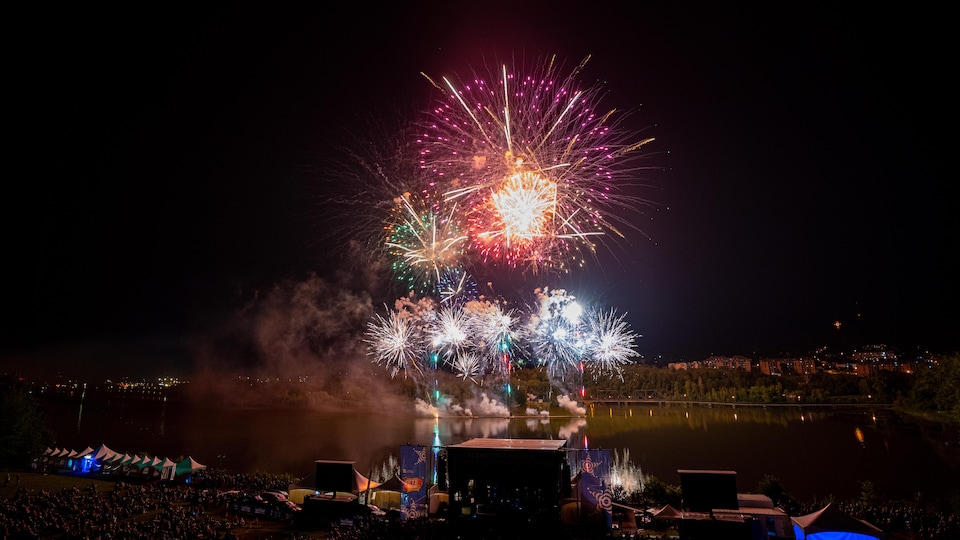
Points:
(172, 165)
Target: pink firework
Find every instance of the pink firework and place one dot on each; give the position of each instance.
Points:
(538, 171)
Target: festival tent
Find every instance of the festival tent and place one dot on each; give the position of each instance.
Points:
(386, 496)
(117, 461)
(189, 466)
(831, 523)
(103, 453)
(667, 513)
(61, 457)
(150, 466)
(50, 454)
(167, 469)
(82, 461)
(134, 464)
(146, 465)
(308, 486)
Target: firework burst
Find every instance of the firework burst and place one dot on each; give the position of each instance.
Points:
(457, 286)
(538, 170)
(611, 345)
(480, 338)
(451, 335)
(424, 242)
(395, 342)
(558, 335)
(498, 334)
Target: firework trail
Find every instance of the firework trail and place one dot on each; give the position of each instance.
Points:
(537, 170)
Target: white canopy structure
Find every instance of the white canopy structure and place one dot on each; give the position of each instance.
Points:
(168, 469)
(189, 466)
(831, 523)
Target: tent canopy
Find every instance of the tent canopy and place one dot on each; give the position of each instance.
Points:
(393, 484)
(189, 466)
(360, 482)
(667, 512)
(831, 523)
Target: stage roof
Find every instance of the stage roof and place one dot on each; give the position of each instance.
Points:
(512, 444)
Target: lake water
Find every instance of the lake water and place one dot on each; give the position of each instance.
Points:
(814, 452)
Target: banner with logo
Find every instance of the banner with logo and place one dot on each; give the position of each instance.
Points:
(594, 484)
(413, 474)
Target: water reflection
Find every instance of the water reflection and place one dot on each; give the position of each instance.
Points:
(811, 450)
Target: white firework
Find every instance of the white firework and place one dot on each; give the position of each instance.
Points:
(558, 336)
(611, 344)
(450, 334)
(395, 342)
(497, 333)
(467, 366)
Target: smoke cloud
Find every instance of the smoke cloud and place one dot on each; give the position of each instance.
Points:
(299, 344)
(571, 405)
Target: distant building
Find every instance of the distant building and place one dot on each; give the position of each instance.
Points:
(741, 363)
(788, 366)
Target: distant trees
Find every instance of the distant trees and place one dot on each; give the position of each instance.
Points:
(934, 390)
(656, 492)
(771, 487)
(22, 425)
(937, 389)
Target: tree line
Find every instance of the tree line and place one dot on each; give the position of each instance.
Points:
(934, 391)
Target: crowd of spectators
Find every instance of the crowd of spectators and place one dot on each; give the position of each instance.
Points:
(175, 510)
(156, 510)
(909, 520)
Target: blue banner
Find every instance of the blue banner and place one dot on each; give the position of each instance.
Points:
(594, 482)
(413, 474)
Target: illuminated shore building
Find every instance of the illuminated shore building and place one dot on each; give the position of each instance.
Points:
(788, 366)
(741, 363)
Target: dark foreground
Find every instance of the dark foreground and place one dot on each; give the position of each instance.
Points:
(68, 506)
(64, 506)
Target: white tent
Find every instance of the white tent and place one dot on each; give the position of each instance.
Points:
(103, 453)
(189, 466)
(167, 469)
(831, 523)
